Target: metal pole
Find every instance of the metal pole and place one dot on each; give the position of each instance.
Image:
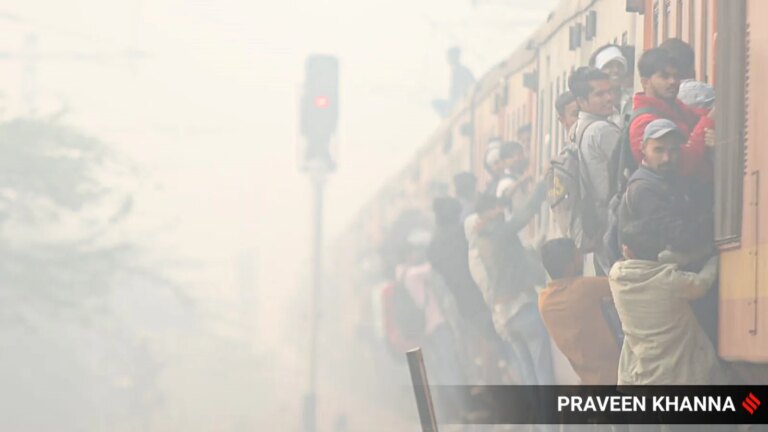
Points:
(317, 176)
(421, 390)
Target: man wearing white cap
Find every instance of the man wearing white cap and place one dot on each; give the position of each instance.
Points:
(502, 159)
(611, 60)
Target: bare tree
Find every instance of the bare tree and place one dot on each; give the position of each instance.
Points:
(68, 363)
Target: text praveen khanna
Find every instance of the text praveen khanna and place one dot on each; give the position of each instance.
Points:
(638, 403)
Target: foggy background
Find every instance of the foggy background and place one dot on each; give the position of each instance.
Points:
(155, 226)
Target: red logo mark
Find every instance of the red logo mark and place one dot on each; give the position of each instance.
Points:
(751, 403)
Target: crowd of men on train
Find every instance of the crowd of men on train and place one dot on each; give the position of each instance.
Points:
(631, 194)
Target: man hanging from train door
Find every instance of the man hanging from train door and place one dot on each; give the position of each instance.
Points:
(696, 94)
(659, 76)
(447, 253)
(613, 60)
(512, 275)
(660, 79)
(652, 299)
(578, 312)
(658, 191)
(595, 137)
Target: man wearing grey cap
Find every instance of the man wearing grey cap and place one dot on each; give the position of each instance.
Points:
(659, 197)
(657, 192)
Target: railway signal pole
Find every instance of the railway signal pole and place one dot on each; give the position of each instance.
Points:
(319, 116)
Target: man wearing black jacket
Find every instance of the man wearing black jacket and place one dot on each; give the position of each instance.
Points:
(512, 276)
(657, 192)
(448, 255)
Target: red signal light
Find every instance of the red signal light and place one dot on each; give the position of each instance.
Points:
(322, 101)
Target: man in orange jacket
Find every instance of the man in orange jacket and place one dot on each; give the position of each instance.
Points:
(572, 309)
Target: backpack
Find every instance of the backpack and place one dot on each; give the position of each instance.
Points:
(622, 163)
(569, 194)
(409, 317)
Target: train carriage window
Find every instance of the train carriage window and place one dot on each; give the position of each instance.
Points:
(679, 19)
(637, 6)
(731, 80)
(591, 25)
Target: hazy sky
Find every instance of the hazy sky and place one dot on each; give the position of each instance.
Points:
(211, 113)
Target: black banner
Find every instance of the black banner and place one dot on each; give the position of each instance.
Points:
(601, 404)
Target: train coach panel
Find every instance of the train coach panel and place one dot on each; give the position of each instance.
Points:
(744, 268)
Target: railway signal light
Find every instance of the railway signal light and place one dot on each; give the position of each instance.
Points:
(320, 108)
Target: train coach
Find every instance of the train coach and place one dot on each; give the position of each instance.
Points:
(515, 101)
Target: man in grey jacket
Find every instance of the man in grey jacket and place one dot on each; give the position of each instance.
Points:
(596, 136)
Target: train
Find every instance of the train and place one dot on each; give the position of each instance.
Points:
(515, 101)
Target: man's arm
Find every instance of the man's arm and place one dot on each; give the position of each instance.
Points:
(694, 151)
(522, 216)
(685, 258)
(508, 187)
(695, 285)
(636, 130)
